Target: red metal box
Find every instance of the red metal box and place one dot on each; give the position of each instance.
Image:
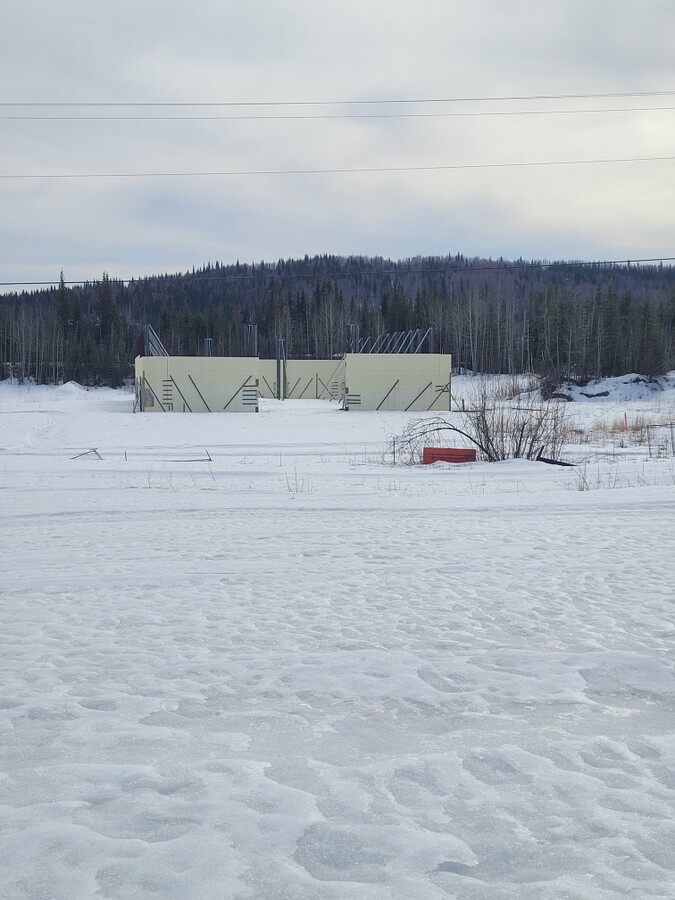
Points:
(447, 454)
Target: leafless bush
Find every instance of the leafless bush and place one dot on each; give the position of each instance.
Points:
(498, 431)
(579, 435)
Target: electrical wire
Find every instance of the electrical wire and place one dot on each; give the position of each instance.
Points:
(348, 116)
(359, 170)
(361, 102)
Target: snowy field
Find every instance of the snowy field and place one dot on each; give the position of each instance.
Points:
(244, 656)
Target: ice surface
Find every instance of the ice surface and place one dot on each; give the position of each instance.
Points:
(296, 671)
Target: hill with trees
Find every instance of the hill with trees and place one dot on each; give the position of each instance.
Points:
(561, 320)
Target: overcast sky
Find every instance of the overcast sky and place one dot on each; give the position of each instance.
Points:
(217, 51)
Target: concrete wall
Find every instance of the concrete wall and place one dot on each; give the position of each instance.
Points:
(398, 381)
(306, 379)
(197, 383)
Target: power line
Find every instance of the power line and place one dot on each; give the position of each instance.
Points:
(363, 170)
(361, 102)
(321, 116)
(268, 270)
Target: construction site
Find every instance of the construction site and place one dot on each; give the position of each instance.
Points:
(399, 371)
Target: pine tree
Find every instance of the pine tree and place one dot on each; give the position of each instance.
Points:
(106, 310)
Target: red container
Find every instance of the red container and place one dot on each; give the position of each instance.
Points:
(447, 454)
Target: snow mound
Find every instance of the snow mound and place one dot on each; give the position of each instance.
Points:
(69, 389)
(621, 388)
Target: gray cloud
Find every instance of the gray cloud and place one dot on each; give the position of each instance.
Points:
(292, 49)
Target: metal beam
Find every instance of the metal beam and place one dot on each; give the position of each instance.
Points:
(439, 391)
(289, 394)
(387, 394)
(199, 392)
(145, 380)
(418, 396)
(180, 392)
(304, 389)
(153, 345)
(239, 389)
(271, 389)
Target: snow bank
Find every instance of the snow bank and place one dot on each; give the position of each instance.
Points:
(624, 388)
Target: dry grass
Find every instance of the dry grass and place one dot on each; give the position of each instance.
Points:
(630, 429)
(513, 386)
(634, 423)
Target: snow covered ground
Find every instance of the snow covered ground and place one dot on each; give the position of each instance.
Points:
(294, 670)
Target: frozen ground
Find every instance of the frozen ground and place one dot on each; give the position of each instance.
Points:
(296, 671)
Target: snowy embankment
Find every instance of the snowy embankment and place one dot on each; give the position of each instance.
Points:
(621, 389)
(245, 656)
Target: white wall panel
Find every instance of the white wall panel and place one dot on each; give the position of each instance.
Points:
(398, 381)
(197, 383)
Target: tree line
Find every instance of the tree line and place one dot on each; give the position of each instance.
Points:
(563, 320)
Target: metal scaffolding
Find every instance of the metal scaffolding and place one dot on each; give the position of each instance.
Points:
(417, 340)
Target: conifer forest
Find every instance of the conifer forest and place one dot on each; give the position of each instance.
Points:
(558, 320)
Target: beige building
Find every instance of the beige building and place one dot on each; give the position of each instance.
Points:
(359, 381)
(197, 383)
(398, 381)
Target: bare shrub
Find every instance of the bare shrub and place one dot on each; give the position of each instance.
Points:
(579, 435)
(526, 430)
